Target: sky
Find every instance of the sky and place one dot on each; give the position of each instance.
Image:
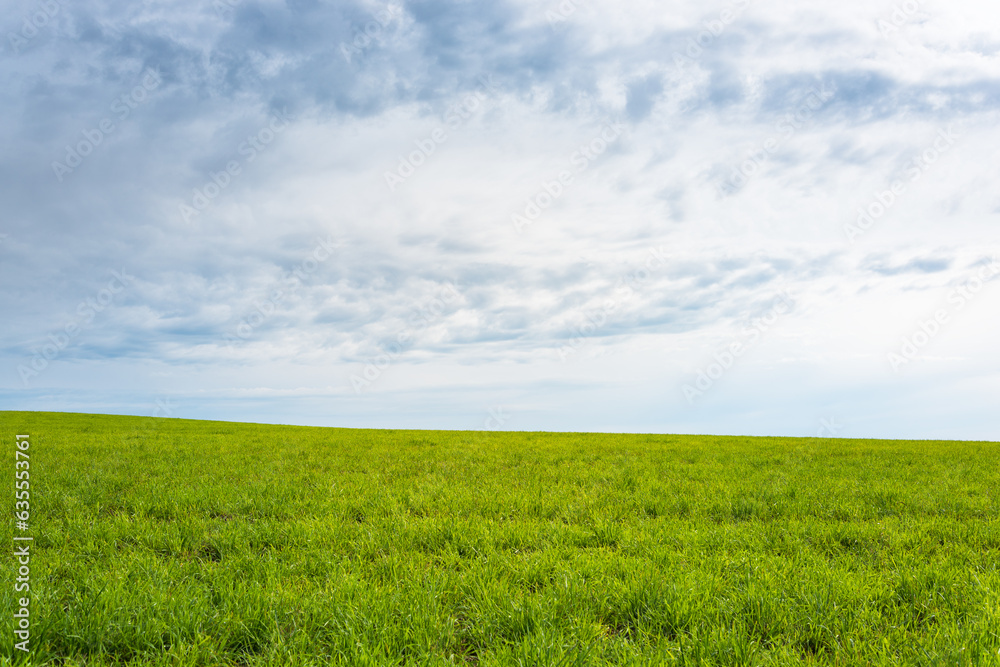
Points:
(728, 217)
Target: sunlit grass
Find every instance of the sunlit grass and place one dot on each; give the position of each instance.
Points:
(175, 542)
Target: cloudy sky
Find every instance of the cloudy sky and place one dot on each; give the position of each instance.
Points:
(735, 217)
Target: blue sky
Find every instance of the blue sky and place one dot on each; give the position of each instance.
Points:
(729, 217)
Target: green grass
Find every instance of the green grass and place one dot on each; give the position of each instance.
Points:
(176, 542)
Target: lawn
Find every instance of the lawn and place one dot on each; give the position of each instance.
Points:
(178, 542)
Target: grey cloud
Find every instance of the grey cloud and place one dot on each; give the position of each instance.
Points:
(886, 267)
(222, 77)
(642, 95)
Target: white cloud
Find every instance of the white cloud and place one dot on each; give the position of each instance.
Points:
(660, 185)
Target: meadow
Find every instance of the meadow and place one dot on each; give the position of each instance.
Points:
(178, 542)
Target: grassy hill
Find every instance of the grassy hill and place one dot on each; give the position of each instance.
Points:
(177, 542)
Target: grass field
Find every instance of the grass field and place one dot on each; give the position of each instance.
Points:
(176, 542)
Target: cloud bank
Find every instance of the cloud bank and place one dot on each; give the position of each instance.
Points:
(417, 214)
